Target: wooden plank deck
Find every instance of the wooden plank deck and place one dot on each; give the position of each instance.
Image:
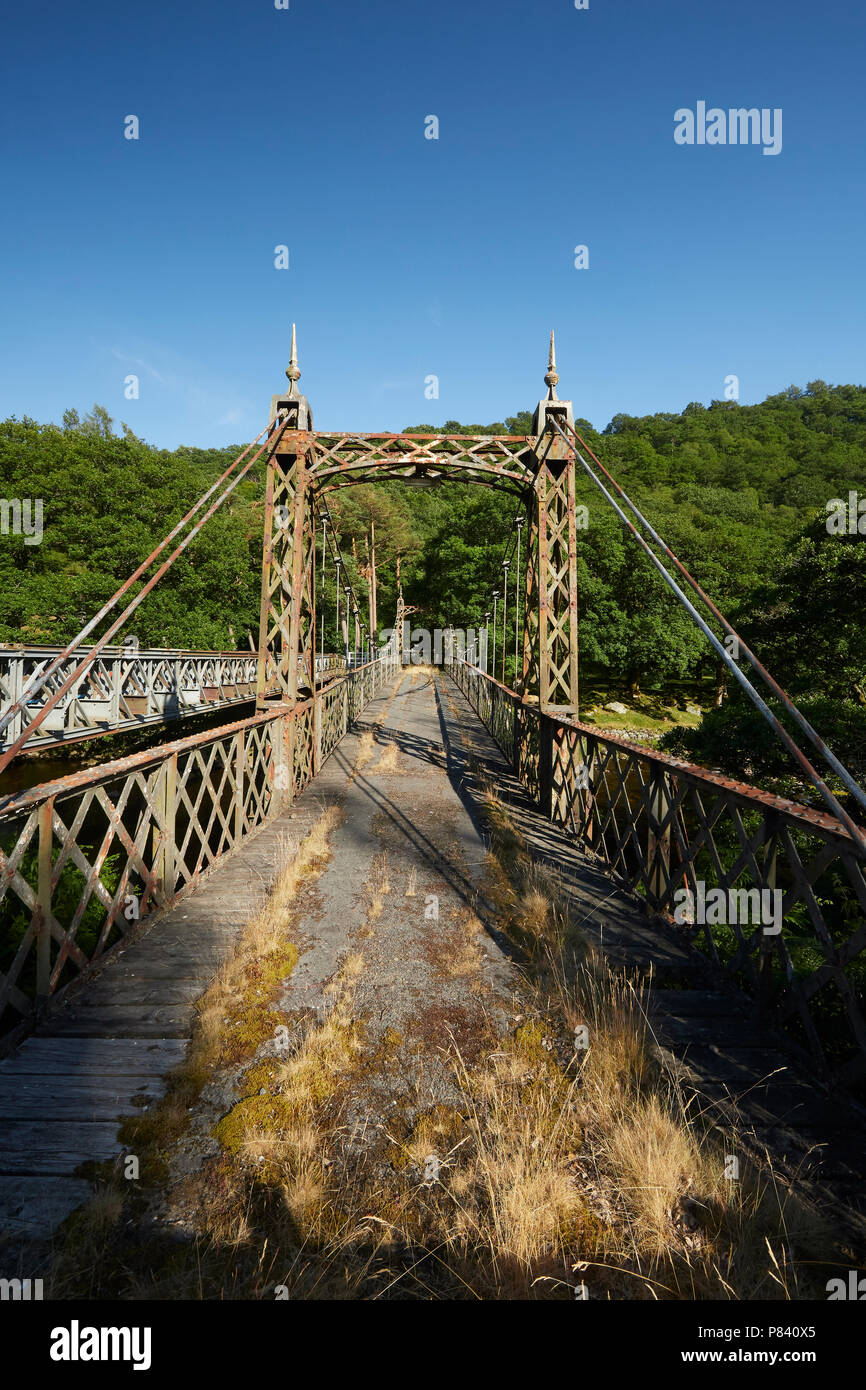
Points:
(104, 1051)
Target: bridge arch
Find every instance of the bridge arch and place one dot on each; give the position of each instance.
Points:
(304, 465)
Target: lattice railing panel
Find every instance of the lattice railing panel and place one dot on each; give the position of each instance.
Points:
(346, 459)
(778, 890)
(334, 716)
(120, 690)
(84, 858)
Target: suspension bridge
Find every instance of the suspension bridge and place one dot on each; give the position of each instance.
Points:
(122, 886)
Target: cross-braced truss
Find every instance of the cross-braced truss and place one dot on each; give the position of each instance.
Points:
(84, 858)
(345, 460)
(550, 610)
(304, 465)
(288, 608)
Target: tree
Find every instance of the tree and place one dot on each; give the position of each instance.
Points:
(806, 628)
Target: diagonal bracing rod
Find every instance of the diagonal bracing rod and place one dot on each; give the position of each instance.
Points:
(37, 680)
(800, 758)
(36, 685)
(842, 772)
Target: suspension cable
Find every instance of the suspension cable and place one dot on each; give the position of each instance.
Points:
(800, 758)
(38, 679)
(511, 552)
(337, 554)
(855, 789)
(33, 687)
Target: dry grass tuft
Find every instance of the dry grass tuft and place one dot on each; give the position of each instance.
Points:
(366, 748)
(462, 948)
(534, 910)
(388, 760)
(262, 954)
(367, 741)
(378, 887)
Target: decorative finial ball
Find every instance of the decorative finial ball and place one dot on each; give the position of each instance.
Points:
(551, 376)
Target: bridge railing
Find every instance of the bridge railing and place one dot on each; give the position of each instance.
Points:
(124, 689)
(84, 858)
(121, 689)
(789, 924)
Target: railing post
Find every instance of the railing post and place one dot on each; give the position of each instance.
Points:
(317, 732)
(116, 682)
(16, 688)
(43, 901)
(545, 765)
(164, 845)
(587, 828)
(765, 965)
(284, 734)
(519, 735)
(240, 760)
(658, 838)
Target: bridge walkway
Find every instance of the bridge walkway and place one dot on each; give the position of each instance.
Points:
(409, 784)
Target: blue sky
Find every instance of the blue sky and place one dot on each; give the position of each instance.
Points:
(412, 257)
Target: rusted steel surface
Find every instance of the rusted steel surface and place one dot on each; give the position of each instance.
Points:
(84, 857)
(662, 825)
(783, 805)
(345, 459)
(287, 626)
(83, 777)
(124, 689)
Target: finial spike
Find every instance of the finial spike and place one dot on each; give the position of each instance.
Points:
(292, 370)
(551, 376)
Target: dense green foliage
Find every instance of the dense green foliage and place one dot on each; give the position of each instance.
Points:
(806, 623)
(108, 501)
(730, 487)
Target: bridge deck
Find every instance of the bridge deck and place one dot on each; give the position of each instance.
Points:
(413, 813)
